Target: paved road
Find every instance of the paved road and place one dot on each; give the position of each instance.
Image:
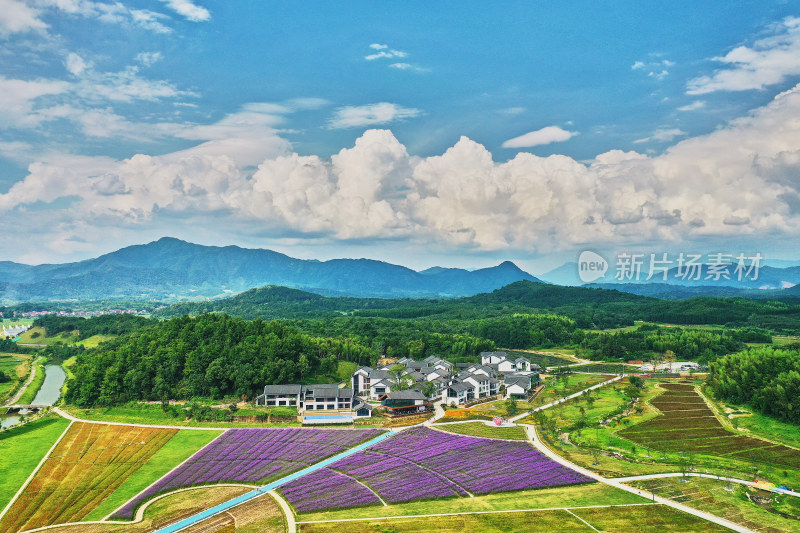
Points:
(570, 397)
(439, 412)
(709, 476)
(617, 483)
(76, 419)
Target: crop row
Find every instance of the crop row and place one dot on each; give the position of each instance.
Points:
(690, 426)
(253, 456)
(313, 491)
(421, 463)
(89, 463)
(664, 423)
(680, 435)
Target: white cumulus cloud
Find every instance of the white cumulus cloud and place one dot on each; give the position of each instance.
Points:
(548, 135)
(188, 10)
(768, 61)
(16, 17)
(737, 181)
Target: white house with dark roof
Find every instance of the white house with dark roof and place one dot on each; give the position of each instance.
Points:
(492, 358)
(459, 392)
(518, 387)
(307, 397)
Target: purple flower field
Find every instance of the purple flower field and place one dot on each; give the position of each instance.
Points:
(421, 463)
(314, 491)
(254, 456)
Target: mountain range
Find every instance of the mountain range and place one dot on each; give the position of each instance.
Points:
(171, 269)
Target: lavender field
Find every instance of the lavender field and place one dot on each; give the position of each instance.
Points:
(253, 456)
(315, 491)
(421, 463)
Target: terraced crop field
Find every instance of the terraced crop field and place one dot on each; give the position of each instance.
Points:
(688, 425)
(86, 466)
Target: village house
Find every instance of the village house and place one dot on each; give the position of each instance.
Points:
(405, 402)
(307, 397)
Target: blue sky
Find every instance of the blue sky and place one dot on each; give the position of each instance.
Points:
(400, 130)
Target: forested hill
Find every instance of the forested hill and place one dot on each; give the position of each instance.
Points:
(212, 355)
(170, 269)
(588, 307)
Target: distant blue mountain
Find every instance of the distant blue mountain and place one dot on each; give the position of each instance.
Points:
(172, 269)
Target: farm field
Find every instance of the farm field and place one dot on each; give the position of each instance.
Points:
(21, 449)
(479, 429)
(421, 464)
(730, 501)
(689, 425)
(164, 511)
(175, 451)
(618, 519)
(262, 515)
(253, 456)
(555, 497)
(87, 465)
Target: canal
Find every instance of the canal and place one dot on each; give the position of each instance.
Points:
(48, 394)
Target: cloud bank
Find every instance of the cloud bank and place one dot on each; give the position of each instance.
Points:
(739, 180)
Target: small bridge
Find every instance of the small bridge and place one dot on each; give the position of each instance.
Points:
(11, 409)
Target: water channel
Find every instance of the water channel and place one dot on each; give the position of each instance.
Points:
(48, 394)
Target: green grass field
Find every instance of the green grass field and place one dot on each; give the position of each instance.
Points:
(556, 389)
(21, 449)
(754, 423)
(479, 429)
(39, 336)
(154, 414)
(15, 368)
(179, 448)
(617, 519)
(573, 496)
(34, 386)
(95, 340)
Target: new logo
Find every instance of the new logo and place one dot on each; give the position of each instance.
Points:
(591, 266)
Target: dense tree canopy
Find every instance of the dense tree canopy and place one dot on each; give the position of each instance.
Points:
(211, 355)
(768, 379)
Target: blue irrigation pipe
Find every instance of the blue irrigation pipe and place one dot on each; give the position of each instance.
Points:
(208, 513)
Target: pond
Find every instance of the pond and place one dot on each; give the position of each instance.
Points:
(48, 394)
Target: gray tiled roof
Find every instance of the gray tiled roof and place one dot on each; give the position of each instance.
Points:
(282, 390)
(412, 394)
(459, 386)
